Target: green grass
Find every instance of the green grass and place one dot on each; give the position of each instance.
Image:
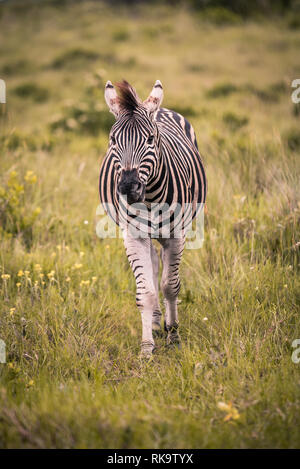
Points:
(73, 376)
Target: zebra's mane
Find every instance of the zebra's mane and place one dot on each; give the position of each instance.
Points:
(128, 97)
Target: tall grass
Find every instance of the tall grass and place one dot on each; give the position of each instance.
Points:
(73, 376)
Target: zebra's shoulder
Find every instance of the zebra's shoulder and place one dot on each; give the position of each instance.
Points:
(170, 117)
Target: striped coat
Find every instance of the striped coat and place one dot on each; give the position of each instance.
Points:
(152, 162)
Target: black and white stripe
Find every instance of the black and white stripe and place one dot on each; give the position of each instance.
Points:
(156, 149)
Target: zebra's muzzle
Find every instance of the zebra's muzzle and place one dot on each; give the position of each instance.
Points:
(131, 187)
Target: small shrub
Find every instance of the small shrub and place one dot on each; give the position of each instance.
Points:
(195, 68)
(269, 94)
(294, 21)
(185, 111)
(17, 211)
(292, 139)
(90, 115)
(121, 35)
(17, 67)
(151, 32)
(72, 56)
(233, 121)
(222, 90)
(33, 91)
(17, 140)
(220, 16)
(85, 117)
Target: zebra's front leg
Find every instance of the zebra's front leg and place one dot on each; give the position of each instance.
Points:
(156, 319)
(172, 250)
(139, 255)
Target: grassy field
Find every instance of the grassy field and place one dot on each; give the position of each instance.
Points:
(73, 377)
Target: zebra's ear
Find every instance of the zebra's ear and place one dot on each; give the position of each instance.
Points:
(154, 100)
(112, 99)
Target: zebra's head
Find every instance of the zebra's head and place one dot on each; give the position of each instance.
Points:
(134, 139)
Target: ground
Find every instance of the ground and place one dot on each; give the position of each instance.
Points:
(73, 377)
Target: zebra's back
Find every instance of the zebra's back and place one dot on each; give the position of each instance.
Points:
(172, 118)
(181, 149)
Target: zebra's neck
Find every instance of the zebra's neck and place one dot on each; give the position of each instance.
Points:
(157, 186)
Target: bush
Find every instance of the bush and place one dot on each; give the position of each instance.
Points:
(233, 121)
(185, 111)
(121, 35)
(17, 67)
(85, 117)
(292, 139)
(220, 16)
(17, 211)
(221, 90)
(17, 140)
(269, 94)
(294, 21)
(33, 91)
(74, 55)
(88, 116)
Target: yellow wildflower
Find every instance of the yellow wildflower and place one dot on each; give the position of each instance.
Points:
(12, 366)
(20, 273)
(11, 311)
(37, 267)
(232, 412)
(5, 276)
(30, 177)
(77, 266)
(84, 282)
(18, 284)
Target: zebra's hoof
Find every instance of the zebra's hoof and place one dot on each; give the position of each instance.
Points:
(173, 337)
(174, 341)
(146, 350)
(156, 329)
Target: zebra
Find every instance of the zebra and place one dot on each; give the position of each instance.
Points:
(152, 158)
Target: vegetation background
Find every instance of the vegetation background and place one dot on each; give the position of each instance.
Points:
(73, 377)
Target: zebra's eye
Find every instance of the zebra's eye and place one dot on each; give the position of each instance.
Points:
(150, 139)
(113, 140)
